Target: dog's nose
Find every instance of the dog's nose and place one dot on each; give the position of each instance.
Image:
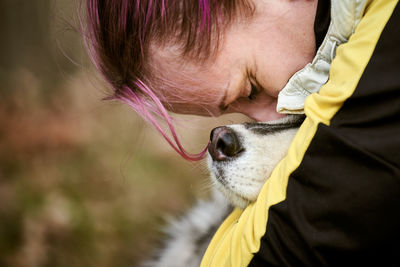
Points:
(224, 144)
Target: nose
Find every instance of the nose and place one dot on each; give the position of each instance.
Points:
(224, 144)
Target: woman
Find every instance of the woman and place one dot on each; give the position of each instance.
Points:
(333, 199)
(224, 56)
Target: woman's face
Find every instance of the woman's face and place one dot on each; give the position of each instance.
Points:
(255, 60)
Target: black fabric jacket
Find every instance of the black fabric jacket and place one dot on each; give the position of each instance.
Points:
(334, 200)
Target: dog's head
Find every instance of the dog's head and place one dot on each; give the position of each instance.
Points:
(242, 156)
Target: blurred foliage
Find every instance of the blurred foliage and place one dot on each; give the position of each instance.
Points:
(82, 182)
(82, 185)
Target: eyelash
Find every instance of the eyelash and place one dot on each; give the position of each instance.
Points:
(253, 93)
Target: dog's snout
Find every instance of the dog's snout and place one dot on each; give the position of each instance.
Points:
(224, 144)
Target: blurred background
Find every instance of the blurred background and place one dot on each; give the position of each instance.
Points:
(83, 182)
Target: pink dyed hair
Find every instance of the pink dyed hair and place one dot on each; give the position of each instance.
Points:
(118, 34)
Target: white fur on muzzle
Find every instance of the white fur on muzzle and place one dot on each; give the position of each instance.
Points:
(242, 156)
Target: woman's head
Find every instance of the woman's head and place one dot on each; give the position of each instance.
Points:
(203, 57)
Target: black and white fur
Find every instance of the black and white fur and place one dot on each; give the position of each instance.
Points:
(239, 179)
(190, 235)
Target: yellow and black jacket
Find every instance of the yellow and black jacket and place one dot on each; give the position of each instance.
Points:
(334, 199)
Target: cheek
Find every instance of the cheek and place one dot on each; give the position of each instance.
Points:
(275, 72)
(280, 58)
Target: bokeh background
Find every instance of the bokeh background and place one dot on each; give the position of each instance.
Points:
(83, 182)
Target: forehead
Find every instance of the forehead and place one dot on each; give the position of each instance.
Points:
(175, 73)
(187, 85)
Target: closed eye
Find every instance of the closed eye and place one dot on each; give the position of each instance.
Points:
(253, 92)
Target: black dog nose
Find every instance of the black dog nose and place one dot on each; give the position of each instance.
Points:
(224, 144)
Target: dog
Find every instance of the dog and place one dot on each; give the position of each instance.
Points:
(240, 159)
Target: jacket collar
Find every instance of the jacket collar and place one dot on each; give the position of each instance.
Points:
(344, 17)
